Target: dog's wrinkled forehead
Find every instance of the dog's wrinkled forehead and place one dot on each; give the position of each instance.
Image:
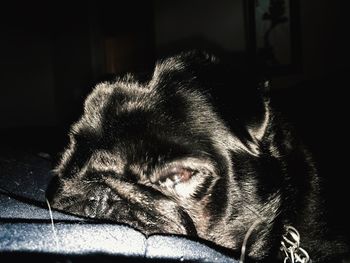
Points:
(165, 114)
(168, 105)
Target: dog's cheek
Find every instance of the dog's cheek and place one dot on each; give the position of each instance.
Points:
(200, 215)
(195, 202)
(148, 210)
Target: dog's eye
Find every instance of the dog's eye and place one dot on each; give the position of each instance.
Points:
(182, 176)
(176, 176)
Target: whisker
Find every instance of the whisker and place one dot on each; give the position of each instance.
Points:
(246, 237)
(271, 205)
(52, 224)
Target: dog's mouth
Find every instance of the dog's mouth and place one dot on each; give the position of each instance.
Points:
(172, 198)
(142, 208)
(149, 210)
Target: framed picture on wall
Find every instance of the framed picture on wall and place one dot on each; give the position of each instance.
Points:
(273, 34)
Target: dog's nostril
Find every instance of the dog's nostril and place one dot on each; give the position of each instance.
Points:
(92, 199)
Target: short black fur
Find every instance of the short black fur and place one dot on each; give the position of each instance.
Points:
(195, 150)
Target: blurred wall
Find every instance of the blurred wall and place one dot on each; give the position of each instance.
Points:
(199, 23)
(324, 28)
(324, 46)
(52, 52)
(26, 69)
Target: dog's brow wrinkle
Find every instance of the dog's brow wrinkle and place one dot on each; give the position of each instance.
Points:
(138, 171)
(105, 161)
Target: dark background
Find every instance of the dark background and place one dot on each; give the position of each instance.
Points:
(53, 52)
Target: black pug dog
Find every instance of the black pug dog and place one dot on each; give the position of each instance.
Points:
(195, 150)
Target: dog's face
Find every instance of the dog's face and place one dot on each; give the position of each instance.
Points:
(158, 156)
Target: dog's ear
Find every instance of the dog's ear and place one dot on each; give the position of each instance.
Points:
(184, 66)
(237, 93)
(258, 126)
(248, 113)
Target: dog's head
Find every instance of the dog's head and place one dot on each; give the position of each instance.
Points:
(159, 157)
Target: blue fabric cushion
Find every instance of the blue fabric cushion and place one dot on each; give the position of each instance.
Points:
(27, 231)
